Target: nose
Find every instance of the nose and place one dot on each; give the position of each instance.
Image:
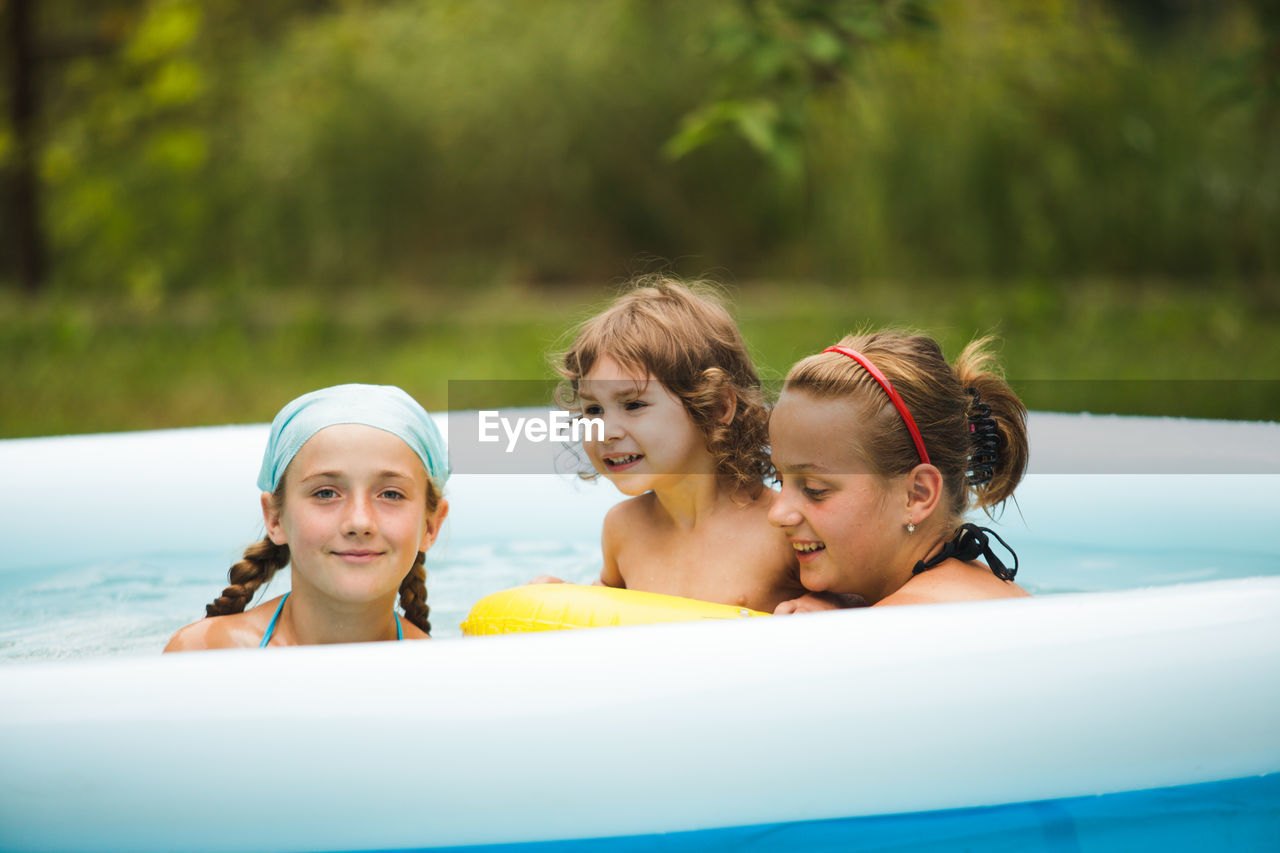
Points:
(783, 513)
(613, 428)
(359, 519)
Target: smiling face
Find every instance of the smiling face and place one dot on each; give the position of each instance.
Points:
(354, 513)
(650, 442)
(846, 524)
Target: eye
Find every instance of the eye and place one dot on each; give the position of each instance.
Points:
(392, 494)
(592, 410)
(324, 493)
(634, 405)
(814, 493)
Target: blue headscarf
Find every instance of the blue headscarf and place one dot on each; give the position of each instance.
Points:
(385, 407)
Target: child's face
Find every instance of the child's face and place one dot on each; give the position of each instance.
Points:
(841, 519)
(354, 513)
(650, 442)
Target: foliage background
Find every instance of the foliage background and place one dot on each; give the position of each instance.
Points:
(241, 201)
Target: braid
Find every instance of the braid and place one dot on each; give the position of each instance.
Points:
(413, 594)
(261, 561)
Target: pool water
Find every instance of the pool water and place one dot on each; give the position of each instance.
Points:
(132, 606)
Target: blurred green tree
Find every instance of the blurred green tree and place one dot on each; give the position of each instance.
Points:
(173, 144)
(774, 57)
(113, 106)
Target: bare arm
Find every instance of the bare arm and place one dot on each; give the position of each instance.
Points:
(610, 574)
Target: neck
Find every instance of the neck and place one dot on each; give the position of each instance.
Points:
(693, 497)
(921, 545)
(311, 619)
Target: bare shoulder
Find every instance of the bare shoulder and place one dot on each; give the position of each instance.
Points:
(624, 520)
(631, 510)
(954, 581)
(625, 523)
(190, 637)
(233, 631)
(766, 561)
(412, 631)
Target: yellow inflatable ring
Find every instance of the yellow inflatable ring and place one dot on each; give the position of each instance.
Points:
(556, 606)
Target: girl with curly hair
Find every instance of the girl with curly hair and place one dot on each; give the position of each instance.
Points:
(685, 438)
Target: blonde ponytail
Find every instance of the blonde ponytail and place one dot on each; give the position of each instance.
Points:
(998, 427)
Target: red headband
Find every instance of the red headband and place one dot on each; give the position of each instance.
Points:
(893, 396)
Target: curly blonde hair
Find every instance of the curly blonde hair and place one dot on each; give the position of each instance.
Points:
(681, 334)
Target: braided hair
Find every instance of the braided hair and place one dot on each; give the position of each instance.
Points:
(260, 563)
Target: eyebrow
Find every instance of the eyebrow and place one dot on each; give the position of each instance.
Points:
(635, 390)
(804, 467)
(338, 475)
(322, 475)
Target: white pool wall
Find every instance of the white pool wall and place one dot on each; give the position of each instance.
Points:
(1147, 482)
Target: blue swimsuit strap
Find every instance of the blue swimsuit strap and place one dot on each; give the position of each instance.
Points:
(271, 626)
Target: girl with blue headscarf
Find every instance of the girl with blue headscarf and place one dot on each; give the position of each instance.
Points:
(352, 498)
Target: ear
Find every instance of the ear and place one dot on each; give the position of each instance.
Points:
(728, 406)
(434, 522)
(924, 491)
(271, 519)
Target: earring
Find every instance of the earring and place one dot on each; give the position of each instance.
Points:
(911, 527)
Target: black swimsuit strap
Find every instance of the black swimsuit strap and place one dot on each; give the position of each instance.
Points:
(970, 544)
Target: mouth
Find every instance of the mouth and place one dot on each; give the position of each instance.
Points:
(357, 555)
(621, 461)
(806, 551)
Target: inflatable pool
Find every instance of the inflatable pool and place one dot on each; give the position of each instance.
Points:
(1129, 705)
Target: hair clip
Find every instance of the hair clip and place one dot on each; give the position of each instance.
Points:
(987, 441)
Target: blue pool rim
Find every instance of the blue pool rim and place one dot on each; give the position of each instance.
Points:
(1236, 814)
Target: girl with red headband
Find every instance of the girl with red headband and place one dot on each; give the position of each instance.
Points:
(881, 446)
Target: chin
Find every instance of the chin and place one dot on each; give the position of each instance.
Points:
(630, 487)
(814, 582)
(363, 592)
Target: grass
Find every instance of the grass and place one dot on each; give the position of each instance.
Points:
(102, 364)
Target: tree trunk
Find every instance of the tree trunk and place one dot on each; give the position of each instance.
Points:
(24, 203)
